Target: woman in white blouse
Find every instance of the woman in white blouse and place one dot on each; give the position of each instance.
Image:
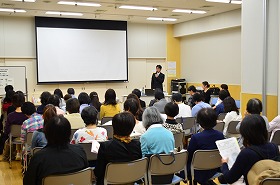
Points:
(232, 113)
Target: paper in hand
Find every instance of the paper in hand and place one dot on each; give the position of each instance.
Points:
(95, 146)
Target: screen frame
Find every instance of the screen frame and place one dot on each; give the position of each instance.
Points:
(51, 22)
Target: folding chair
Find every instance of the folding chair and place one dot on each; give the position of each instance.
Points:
(36, 149)
(276, 137)
(27, 145)
(14, 139)
(82, 177)
(110, 130)
(271, 181)
(178, 137)
(187, 123)
(72, 133)
(105, 120)
(87, 148)
(231, 131)
(205, 160)
(166, 164)
(220, 126)
(126, 172)
(221, 116)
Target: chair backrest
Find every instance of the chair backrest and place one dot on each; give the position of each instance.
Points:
(232, 127)
(271, 181)
(221, 116)
(15, 130)
(276, 137)
(72, 133)
(105, 120)
(110, 130)
(156, 167)
(87, 148)
(178, 137)
(36, 149)
(29, 138)
(126, 172)
(220, 126)
(206, 159)
(188, 122)
(82, 177)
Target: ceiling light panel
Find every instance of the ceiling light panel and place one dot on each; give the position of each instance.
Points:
(189, 11)
(64, 13)
(28, 1)
(12, 10)
(137, 7)
(161, 19)
(75, 3)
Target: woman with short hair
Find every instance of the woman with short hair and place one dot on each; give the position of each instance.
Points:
(110, 106)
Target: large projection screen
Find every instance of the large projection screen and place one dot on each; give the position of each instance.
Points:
(80, 50)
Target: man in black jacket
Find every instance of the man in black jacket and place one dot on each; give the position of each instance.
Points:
(157, 78)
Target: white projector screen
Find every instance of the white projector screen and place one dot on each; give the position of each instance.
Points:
(72, 55)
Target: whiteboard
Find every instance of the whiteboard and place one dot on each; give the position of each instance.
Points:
(13, 75)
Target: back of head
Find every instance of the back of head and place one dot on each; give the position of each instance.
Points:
(67, 97)
(28, 108)
(18, 99)
(137, 92)
(207, 118)
(253, 130)
(58, 92)
(73, 105)
(49, 112)
(254, 106)
(151, 116)
(171, 109)
(57, 131)
(70, 91)
(230, 105)
(9, 88)
(223, 94)
(110, 97)
(224, 86)
(159, 94)
(192, 88)
(89, 115)
(54, 100)
(83, 98)
(131, 105)
(123, 124)
(94, 99)
(45, 97)
(9, 96)
(177, 97)
(197, 97)
(206, 84)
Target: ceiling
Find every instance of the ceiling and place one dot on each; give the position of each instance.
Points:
(110, 11)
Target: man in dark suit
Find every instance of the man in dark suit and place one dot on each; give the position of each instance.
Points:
(157, 78)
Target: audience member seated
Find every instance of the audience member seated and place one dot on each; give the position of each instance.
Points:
(14, 118)
(254, 106)
(232, 113)
(73, 116)
(91, 131)
(199, 104)
(137, 92)
(59, 93)
(7, 105)
(206, 93)
(274, 125)
(192, 91)
(220, 108)
(34, 121)
(95, 100)
(131, 105)
(161, 101)
(204, 140)
(254, 133)
(171, 109)
(12, 108)
(140, 110)
(184, 110)
(58, 157)
(156, 139)
(44, 101)
(110, 106)
(153, 101)
(71, 91)
(121, 148)
(38, 137)
(225, 87)
(84, 100)
(66, 97)
(54, 100)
